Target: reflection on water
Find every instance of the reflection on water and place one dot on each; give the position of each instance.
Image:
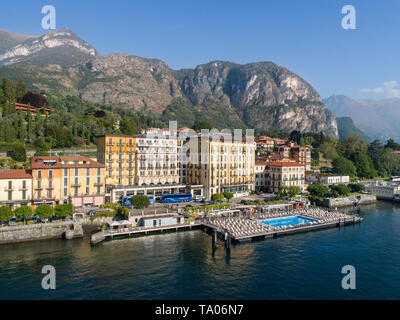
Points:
(182, 265)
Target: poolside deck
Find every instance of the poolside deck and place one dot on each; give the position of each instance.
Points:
(244, 229)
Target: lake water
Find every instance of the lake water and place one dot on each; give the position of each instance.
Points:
(182, 265)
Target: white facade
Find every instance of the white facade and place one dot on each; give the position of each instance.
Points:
(15, 191)
(159, 221)
(329, 180)
(383, 189)
(260, 175)
(156, 160)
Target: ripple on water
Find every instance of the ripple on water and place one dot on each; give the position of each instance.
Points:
(182, 266)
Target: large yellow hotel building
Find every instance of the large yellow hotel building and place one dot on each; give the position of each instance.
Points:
(117, 153)
(221, 164)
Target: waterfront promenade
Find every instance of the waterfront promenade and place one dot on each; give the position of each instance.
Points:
(244, 228)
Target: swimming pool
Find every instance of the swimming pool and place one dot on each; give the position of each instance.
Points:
(286, 221)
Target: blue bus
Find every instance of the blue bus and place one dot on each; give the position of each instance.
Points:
(126, 201)
(177, 197)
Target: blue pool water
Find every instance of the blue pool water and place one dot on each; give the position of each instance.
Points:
(286, 221)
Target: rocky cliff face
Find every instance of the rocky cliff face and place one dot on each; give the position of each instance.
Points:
(61, 47)
(141, 84)
(260, 95)
(266, 96)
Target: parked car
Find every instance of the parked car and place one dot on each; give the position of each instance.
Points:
(32, 220)
(198, 198)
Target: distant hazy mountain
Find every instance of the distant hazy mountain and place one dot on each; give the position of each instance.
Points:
(378, 119)
(347, 128)
(61, 47)
(259, 95)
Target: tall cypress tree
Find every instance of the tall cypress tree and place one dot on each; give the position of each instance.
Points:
(20, 90)
(8, 90)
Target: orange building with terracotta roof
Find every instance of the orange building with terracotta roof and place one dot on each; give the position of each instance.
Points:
(67, 179)
(25, 108)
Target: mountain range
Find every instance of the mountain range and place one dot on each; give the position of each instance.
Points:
(259, 95)
(376, 118)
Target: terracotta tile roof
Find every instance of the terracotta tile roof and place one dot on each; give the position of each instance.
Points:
(285, 164)
(260, 162)
(15, 174)
(39, 162)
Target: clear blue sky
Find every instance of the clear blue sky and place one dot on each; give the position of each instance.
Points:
(304, 36)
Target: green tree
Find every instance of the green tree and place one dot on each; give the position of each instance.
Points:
(318, 190)
(344, 166)
(328, 150)
(5, 213)
(295, 136)
(356, 187)
(20, 90)
(8, 89)
(283, 192)
(44, 211)
(128, 127)
(23, 212)
(228, 195)
(363, 164)
(392, 145)
(123, 213)
(202, 124)
(18, 152)
(352, 144)
(217, 197)
(294, 191)
(340, 189)
(140, 201)
(314, 157)
(64, 210)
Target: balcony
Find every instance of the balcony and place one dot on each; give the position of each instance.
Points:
(76, 185)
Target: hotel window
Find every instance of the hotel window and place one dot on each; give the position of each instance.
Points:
(39, 174)
(98, 171)
(87, 181)
(76, 171)
(65, 172)
(87, 189)
(88, 171)
(110, 140)
(50, 174)
(109, 173)
(65, 192)
(65, 181)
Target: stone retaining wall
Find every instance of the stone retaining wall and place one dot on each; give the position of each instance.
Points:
(349, 201)
(40, 232)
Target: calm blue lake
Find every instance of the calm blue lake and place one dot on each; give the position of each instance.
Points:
(182, 266)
